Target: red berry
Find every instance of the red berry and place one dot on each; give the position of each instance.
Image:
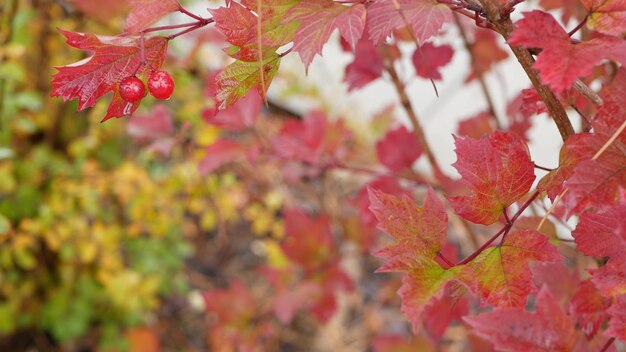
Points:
(132, 89)
(160, 84)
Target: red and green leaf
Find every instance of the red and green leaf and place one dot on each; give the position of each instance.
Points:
(502, 272)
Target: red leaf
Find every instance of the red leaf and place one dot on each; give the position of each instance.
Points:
(237, 23)
(241, 115)
(561, 280)
(386, 184)
(589, 307)
(596, 183)
(560, 62)
(397, 158)
(318, 19)
(573, 152)
(308, 240)
(617, 323)
(477, 126)
(502, 272)
(366, 67)
(145, 12)
(606, 16)
(611, 278)
(418, 231)
(223, 151)
(498, 171)
(425, 18)
(486, 52)
(440, 312)
(603, 233)
(113, 59)
(428, 59)
(515, 329)
(157, 124)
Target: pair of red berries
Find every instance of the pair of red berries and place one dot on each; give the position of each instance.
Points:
(160, 86)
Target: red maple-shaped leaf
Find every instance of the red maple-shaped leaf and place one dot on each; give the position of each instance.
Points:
(367, 65)
(236, 117)
(396, 158)
(589, 307)
(515, 329)
(419, 234)
(602, 233)
(424, 17)
(502, 272)
(145, 12)
(606, 16)
(498, 171)
(318, 19)
(113, 59)
(429, 58)
(561, 62)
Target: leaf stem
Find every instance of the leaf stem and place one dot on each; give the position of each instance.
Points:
(445, 260)
(579, 26)
(503, 231)
(543, 168)
(479, 73)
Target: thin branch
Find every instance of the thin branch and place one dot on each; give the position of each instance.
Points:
(190, 14)
(479, 73)
(408, 108)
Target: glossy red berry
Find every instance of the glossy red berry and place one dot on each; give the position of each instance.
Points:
(160, 84)
(132, 89)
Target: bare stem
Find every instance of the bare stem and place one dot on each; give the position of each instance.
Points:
(408, 108)
(579, 26)
(445, 260)
(479, 73)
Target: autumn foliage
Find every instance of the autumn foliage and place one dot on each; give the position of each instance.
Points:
(294, 223)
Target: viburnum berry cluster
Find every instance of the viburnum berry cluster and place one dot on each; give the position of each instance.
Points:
(517, 263)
